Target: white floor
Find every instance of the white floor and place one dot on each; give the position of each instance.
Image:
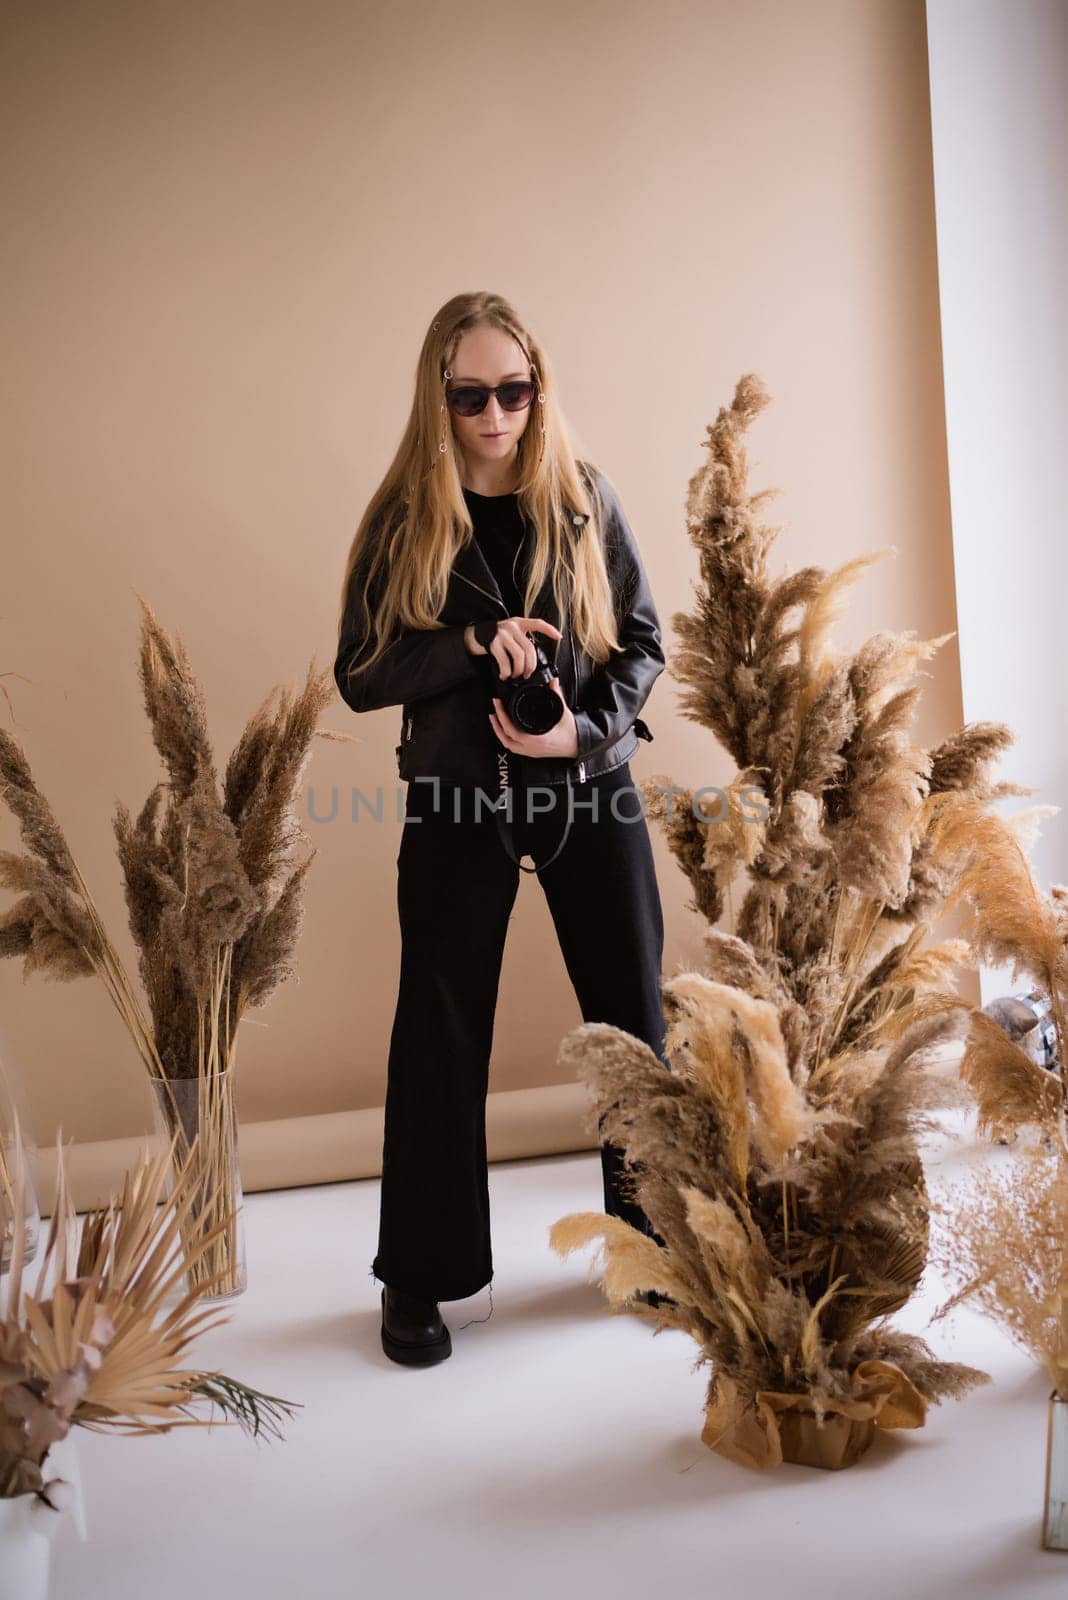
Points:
(556, 1453)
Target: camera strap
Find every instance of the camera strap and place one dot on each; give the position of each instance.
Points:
(505, 823)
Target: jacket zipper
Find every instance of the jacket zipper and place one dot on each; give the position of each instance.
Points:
(580, 522)
(494, 597)
(574, 674)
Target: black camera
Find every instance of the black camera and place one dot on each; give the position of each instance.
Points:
(531, 702)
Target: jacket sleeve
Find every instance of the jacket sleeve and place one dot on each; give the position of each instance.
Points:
(417, 662)
(618, 688)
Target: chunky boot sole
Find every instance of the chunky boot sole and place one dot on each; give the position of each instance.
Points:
(414, 1355)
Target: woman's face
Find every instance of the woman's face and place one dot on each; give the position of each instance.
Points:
(487, 355)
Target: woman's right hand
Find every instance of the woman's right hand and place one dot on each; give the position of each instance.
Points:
(510, 647)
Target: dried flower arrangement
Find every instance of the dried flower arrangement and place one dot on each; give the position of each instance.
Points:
(96, 1352)
(215, 909)
(1003, 1239)
(779, 1159)
(1010, 922)
(1003, 1242)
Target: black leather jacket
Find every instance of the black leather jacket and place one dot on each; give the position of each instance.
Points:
(445, 692)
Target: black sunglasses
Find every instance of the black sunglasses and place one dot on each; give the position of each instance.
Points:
(470, 399)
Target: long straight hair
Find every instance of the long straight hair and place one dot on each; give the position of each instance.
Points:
(417, 520)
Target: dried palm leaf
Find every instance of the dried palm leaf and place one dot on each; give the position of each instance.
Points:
(98, 1351)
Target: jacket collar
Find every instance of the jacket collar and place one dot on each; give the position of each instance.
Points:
(477, 587)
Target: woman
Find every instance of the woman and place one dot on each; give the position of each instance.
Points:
(485, 542)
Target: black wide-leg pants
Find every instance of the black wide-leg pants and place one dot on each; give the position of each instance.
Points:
(456, 887)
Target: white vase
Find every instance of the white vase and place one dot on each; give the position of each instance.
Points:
(27, 1526)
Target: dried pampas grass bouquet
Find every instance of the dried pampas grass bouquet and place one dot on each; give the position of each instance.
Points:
(779, 1158)
(214, 893)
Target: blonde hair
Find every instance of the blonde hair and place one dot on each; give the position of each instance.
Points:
(417, 520)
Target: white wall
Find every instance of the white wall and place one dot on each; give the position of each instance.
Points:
(999, 116)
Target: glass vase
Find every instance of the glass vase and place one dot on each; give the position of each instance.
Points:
(202, 1111)
(18, 1152)
(1055, 1524)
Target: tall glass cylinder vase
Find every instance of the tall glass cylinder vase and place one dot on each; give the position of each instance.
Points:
(203, 1113)
(1055, 1524)
(18, 1153)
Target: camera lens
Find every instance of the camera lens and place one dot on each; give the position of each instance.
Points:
(531, 702)
(534, 707)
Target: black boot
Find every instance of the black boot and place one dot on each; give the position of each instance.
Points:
(653, 1297)
(620, 1202)
(412, 1330)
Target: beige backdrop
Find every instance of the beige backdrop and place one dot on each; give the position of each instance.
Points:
(227, 226)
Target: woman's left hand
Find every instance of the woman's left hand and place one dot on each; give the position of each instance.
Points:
(561, 739)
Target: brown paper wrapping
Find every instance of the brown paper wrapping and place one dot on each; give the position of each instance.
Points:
(772, 1428)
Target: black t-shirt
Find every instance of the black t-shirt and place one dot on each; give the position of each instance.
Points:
(499, 526)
